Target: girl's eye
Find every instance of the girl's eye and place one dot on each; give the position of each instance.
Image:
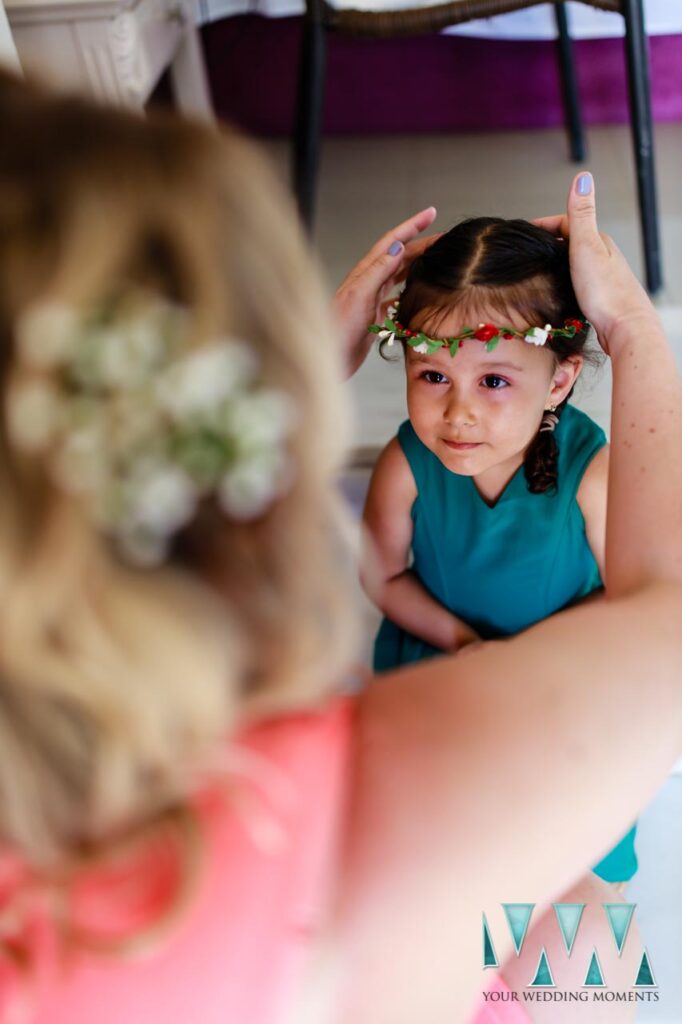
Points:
(494, 382)
(433, 377)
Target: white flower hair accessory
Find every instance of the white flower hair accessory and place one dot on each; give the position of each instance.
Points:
(141, 426)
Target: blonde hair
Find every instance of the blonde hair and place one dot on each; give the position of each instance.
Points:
(115, 684)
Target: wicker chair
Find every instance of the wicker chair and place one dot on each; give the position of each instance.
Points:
(321, 18)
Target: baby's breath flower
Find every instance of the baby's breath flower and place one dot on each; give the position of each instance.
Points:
(33, 413)
(201, 381)
(46, 334)
(260, 419)
(247, 489)
(162, 498)
(80, 464)
(145, 550)
(144, 432)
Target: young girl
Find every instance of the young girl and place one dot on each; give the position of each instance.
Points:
(189, 815)
(495, 486)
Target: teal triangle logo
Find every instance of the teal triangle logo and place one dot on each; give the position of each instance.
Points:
(518, 919)
(620, 916)
(645, 976)
(594, 977)
(489, 954)
(543, 976)
(568, 915)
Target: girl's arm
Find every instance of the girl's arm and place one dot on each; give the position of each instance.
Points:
(504, 775)
(592, 501)
(384, 572)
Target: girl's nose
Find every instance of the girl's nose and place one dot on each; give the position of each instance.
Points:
(459, 411)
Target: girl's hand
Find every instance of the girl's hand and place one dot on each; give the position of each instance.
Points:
(607, 290)
(465, 637)
(472, 645)
(358, 299)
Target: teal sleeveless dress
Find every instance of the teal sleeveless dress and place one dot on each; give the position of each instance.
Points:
(504, 567)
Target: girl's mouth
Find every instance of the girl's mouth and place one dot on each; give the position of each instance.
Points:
(461, 446)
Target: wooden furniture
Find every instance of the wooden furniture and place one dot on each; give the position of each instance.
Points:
(115, 50)
(321, 18)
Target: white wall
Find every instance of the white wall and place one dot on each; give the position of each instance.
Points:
(8, 52)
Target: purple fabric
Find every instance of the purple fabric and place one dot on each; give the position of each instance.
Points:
(425, 84)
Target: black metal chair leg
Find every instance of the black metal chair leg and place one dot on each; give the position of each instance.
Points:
(569, 86)
(642, 132)
(309, 105)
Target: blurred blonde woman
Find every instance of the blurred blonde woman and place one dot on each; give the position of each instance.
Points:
(195, 825)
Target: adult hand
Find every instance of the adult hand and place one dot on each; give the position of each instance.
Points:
(607, 290)
(358, 299)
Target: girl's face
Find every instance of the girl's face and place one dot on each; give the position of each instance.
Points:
(479, 410)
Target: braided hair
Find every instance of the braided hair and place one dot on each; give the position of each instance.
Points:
(509, 266)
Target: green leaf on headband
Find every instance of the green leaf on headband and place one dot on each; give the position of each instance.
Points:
(454, 346)
(389, 324)
(493, 343)
(433, 345)
(375, 328)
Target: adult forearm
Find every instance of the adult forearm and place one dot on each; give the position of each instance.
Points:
(644, 518)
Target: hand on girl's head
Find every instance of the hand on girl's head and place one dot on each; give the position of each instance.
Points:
(607, 290)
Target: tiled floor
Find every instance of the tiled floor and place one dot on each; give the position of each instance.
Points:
(366, 186)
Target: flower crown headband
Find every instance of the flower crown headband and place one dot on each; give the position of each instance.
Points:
(142, 427)
(490, 334)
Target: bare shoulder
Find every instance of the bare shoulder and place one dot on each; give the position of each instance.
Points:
(593, 486)
(392, 488)
(392, 473)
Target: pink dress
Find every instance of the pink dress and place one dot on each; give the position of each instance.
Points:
(237, 956)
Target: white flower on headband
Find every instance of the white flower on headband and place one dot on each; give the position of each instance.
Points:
(382, 335)
(422, 348)
(143, 430)
(538, 335)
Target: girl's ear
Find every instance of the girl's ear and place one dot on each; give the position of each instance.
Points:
(564, 377)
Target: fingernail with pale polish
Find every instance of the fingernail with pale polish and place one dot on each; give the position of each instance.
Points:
(395, 249)
(584, 186)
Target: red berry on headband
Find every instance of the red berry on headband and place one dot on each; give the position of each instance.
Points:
(486, 332)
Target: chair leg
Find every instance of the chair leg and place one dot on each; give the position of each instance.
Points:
(569, 85)
(309, 106)
(642, 131)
